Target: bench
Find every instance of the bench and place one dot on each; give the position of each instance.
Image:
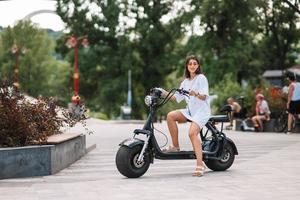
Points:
(59, 138)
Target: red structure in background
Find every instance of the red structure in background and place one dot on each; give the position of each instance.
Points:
(16, 51)
(73, 42)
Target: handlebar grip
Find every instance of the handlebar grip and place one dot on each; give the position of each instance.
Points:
(182, 91)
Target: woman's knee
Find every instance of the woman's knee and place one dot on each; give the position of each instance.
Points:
(193, 134)
(194, 130)
(171, 116)
(176, 116)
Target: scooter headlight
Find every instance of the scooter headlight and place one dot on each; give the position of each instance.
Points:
(148, 100)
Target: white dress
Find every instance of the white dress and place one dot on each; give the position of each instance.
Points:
(197, 110)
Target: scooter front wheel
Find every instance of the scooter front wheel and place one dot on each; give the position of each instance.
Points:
(127, 161)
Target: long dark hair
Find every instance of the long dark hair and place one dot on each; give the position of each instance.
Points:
(186, 71)
(291, 76)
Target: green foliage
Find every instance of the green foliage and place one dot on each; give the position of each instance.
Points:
(152, 38)
(224, 89)
(279, 44)
(98, 115)
(172, 82)
(58, 82)
(146, 47)
(245, 37)
(228, 87)
(241, 38)
(40, 73)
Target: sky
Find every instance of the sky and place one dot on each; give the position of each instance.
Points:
(14, 10)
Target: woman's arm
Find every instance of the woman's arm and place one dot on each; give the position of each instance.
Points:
(165, 93)
(257, 109)
(201, 89)
(290, 93)
(198, 95)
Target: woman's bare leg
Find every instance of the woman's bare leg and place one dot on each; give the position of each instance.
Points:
(172, 118)
(290, 122)
(260, 120)
(193, 134)
(254, 120)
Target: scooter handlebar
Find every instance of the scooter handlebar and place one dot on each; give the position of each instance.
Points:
(182, 91)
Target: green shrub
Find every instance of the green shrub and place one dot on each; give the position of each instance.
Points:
(99, 115)
(226, 88)
(24, 122)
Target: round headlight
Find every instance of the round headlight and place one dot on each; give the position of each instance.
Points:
(148, 100)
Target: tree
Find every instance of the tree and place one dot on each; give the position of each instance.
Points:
(244, 37)
(102, 81)
(36, 65)
(279, 44)
(226, 42)
(146, 45)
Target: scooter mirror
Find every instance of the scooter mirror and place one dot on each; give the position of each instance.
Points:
(155, 92)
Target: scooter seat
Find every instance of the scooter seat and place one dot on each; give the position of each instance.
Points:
(142, 131)
(219, 118)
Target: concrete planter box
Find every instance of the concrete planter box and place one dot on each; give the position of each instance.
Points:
(42, 160)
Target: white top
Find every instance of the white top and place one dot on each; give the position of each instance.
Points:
(197, 110)
(264, 107)
(296, 93)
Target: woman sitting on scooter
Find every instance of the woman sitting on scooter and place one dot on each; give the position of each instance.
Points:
(197, 110)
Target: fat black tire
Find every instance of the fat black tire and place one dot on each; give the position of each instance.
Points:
(226, 161)
(126, 161)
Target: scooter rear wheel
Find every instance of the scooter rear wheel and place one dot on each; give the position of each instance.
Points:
(225, 162)
(127, 164)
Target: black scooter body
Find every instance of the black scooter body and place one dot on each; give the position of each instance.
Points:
(135, 155)
(210, 150)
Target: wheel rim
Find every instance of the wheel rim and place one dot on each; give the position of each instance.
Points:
(136, 163)
(226, 157)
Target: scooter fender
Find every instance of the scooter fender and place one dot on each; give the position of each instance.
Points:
(233, 145)
(132, 142)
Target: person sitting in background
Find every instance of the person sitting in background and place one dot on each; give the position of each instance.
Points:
(235, 111)
(262, 112)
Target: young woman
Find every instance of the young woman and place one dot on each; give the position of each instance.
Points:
(293, 104)
(197, 110)
(262, 112)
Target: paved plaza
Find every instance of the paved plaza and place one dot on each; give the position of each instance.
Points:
(267, 167)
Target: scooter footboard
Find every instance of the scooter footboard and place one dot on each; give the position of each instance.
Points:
(132, 142)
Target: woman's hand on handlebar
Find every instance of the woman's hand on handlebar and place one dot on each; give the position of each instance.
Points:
(193, 93)
(197, 95)
(163, 91)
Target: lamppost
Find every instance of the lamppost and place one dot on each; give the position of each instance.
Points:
(16, 51)
(74, 42)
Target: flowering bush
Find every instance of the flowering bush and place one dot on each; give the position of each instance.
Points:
(24, 122)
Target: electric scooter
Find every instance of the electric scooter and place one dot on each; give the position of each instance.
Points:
(135, 154)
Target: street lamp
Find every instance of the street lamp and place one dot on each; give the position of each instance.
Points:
(73, 42)
(16, 50)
